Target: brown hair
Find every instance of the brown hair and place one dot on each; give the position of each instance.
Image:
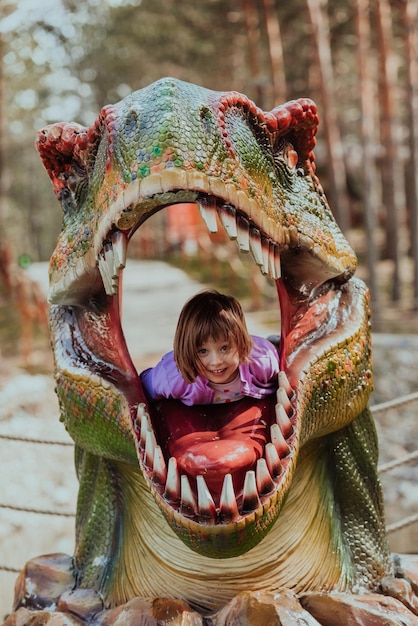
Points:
(208, 314)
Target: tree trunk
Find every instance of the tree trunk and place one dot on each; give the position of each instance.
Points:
(370, 192)
(392, 185)
(2, 192)
(278, 76)
(410, 17)
(335, 155)
(253, 38)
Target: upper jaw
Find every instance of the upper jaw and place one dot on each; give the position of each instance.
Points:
(277, 249)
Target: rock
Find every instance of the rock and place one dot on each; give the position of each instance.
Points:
(43, 580)
(369, 609)
(258, 608)
(151, 612)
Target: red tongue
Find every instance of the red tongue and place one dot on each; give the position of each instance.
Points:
(209, 455)
(215, 440)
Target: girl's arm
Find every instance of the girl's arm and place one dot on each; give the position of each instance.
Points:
(164, 380)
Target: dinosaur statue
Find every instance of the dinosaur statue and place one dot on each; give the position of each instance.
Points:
(293, 531)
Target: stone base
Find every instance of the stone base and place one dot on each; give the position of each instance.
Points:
(45, 595)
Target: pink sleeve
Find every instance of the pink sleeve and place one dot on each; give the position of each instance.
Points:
(164, 380)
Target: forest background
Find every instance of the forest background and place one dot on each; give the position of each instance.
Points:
(62, 60)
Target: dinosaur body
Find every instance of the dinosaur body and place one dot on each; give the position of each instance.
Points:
(307, 518)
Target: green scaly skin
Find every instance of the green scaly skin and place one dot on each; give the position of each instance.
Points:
(322, 526)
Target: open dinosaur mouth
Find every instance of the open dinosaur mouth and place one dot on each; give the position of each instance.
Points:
(215, 464)
(221, 465)
(225, 462)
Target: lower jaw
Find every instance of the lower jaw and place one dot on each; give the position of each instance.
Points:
(240, 511)
(170, 569)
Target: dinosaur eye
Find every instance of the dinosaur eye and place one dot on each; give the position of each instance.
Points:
(290, 156)
(72, 182)
(76, 185)
(286, 154)
(286, 160)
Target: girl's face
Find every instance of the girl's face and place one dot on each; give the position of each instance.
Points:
(218, 360)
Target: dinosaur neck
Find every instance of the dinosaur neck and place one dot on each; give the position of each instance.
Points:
(303, 551)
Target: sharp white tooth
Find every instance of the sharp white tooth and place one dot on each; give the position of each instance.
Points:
(114, 271)
(106, 276)
(145, 428)
(137, 421)
(228, 219)
(206, 505)
(150, 445)
(264, 481)
(115, 284)
(273, 460)
(110, 259)
(284, 383)
(272, 267)
(265, 252)
(140, 411)
(120, 246)
(277, 263)
(228, 509)
(207, 208)
(250, 499)
(243, 234)
(255, 246)
(274, 261)
(187, 501)
(279, 441)
(172, 486)
(159, 470)
(282, 398)
(283, 421)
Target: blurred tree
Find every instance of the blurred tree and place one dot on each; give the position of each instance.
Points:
(409, 12)
(369, 142)
(391, 171)
(278, 76)
(256, 80)
(335, 151)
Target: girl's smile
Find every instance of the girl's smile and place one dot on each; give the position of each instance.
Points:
(218, 361)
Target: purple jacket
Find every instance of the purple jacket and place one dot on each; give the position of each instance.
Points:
(258, 377)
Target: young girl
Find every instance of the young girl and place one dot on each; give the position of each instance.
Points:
(214, 360)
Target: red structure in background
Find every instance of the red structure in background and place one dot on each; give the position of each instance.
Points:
(178, 229)
(186, 230)
(183, 228)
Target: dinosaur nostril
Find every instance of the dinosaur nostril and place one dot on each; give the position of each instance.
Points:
(207, 120)
(131, 123)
